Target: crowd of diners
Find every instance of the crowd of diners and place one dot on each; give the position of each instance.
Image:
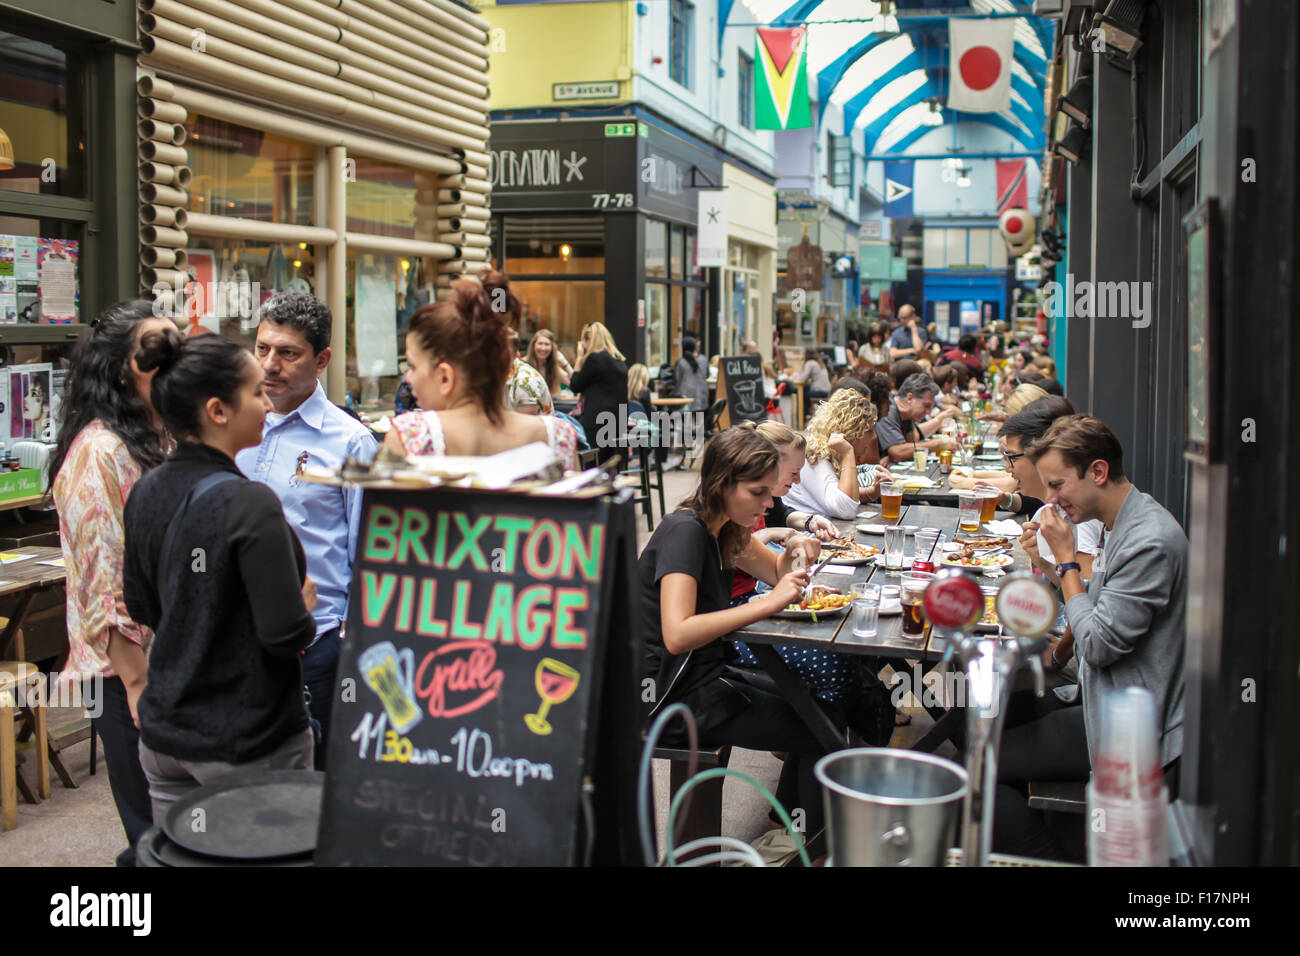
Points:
(208, 582)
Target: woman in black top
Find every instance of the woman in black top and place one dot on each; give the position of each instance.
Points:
(600, 376)
(685, 582)
(226, 592)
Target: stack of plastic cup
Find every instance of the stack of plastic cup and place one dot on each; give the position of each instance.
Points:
(1128, 805)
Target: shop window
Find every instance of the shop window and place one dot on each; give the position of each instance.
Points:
(656, 316)
(675, 252)
(554, 245)
(656, 265)
(250, 174)
(693, 268)
(382, 200)
(694, 315)
(41, 110)
(40, 271)
(229, 278)
(745, 90)
(681, 41)
(563, 307)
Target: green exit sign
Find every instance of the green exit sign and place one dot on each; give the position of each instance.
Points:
(620, 129)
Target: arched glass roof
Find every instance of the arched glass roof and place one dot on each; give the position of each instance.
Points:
(881, 70)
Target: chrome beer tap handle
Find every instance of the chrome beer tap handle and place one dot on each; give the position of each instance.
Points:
(1040, 680)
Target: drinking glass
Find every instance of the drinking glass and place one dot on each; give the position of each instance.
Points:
(866, 609)
(891, 500)
(968, 512)
(988, 497)
(895, 538)
(920, 458)
(914, 585)
(929, 544)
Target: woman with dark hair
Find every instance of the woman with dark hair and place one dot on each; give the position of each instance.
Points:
(459, 357)
(692, 377)
(814, 375)
(111, 436)
(685, 581)
(873, 351)
(217, 573)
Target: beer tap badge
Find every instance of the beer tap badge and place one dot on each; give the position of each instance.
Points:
(953, 601)
(1026, 605)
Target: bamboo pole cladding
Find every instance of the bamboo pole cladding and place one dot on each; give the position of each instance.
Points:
(245, 78)
(161, 111)
(235, 23)
(157, 130)
(231, 227)
(223, 108)
(151, 214)
(164, 152)
(260, 54)
(164, 236)
(165, 177)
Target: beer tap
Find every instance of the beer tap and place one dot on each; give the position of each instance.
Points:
(1026, 607)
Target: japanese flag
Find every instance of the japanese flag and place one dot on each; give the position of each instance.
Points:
(979, 65)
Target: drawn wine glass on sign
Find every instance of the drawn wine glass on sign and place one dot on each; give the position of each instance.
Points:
(380, 666)
(555, 682)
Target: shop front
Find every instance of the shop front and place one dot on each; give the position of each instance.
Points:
(596, 220)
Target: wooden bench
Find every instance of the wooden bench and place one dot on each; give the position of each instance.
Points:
(704, 818)
(1057, 797)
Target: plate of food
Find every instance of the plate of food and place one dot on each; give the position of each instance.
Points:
(985, 543)
(989, 621)
(967, 558)
(849, 552)
(820, 603)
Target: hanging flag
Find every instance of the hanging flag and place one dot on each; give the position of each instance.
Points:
(898, 189)
(979, 64)
(1013, 188)
(781, 80)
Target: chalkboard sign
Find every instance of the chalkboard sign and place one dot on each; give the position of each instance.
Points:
(472, 662)
(741, 377)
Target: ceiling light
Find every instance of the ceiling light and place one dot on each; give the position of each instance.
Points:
(1074, 146)
(1120, 26)
(1077, 104)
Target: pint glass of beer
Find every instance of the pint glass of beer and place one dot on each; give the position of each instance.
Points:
(891, 499)
(988, 496)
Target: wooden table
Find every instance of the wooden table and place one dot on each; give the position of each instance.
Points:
(673, 400)
(889, 643)
(26, 579)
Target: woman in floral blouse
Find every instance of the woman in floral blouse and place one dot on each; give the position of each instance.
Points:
(110, 437)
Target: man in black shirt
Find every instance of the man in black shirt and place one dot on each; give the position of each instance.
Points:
(904, 430)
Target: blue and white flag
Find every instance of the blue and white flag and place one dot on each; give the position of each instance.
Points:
(898, 189)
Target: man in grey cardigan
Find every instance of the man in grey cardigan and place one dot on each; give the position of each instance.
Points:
(1129, 623)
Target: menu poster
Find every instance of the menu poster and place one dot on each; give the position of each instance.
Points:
(742, 386)
(471, 666)
(376, 314)
(29, 398)
(59, 295)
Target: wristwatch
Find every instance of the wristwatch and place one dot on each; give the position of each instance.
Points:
(1067, 566)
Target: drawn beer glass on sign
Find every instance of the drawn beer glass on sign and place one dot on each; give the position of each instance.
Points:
(747, 405)
(389, 673)
(555, 682)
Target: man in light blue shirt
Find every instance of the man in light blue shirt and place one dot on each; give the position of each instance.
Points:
(307, 430)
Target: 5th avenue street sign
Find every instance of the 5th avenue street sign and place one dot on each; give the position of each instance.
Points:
(585, 91)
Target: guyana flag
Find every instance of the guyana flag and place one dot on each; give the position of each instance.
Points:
(781, 79)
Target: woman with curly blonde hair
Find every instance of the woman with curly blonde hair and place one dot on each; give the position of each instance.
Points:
(839, 436)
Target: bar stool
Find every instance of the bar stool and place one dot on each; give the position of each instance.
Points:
(21, 687)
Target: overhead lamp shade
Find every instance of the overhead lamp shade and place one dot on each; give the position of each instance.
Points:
(1074, 146)
(1120, 26)
(6, 151)
(1077, 104)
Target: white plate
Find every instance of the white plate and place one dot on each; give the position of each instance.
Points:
(1003, 561)
(853, 561)
(871, 528)
(889, 610)
(880, 563)
(805, 615)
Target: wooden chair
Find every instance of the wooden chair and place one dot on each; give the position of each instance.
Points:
(705, 816)
(22, 689)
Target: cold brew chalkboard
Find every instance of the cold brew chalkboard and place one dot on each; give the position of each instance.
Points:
(742, 378)
(461, 727)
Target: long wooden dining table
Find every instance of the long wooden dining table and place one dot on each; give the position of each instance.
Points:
(835, 633)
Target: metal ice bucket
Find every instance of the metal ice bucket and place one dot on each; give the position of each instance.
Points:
(888, 807)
